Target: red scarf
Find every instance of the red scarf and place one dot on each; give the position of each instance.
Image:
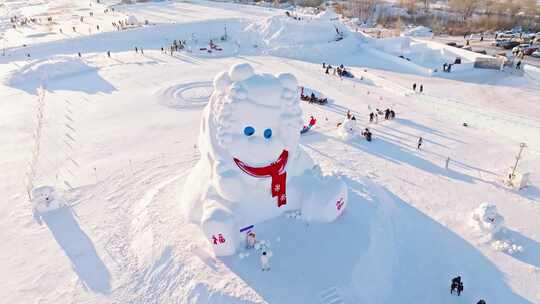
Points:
(276, 171)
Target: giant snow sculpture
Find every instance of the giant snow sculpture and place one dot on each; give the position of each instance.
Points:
(252, 168)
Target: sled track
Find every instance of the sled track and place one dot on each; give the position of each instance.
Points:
(187, 95)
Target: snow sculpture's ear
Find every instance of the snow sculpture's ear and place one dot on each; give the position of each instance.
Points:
(222, 81)
(288, 81)
(238, 92)
(240, 72)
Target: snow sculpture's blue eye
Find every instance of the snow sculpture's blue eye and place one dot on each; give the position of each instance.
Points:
(249, 131)
(267, 133)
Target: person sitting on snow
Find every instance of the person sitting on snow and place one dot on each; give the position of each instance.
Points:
(251, 240)
(312, 121)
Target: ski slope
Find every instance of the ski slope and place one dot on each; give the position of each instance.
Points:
(119, 136)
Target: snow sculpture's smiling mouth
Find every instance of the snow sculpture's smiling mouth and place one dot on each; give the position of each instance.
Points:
(275, 170)
(262, 171)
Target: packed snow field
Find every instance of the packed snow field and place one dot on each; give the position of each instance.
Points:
(138, 147)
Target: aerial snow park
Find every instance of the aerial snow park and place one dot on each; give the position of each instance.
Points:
(217, 152)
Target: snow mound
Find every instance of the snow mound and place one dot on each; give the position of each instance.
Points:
(132, 20)
(44, 71)
(419, 31)
(328, 15)
(252, 168)
(487, 220)
(280, 31)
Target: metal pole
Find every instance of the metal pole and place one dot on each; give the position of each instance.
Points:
(522, 146)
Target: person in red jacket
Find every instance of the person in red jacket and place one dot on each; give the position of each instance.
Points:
(312, 121)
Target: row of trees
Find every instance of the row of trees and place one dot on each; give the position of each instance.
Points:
(495, 13)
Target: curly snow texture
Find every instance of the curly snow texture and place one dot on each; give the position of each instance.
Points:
(241, 85)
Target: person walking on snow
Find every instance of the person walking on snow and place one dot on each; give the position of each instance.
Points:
(265, 261)
(421, 88)
(251, 239)
(371, 116)
(414, 87)
(457, 285)
(447, 162)
(420, 141)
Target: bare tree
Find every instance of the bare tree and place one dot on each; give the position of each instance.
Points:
(465, 8)
(363, 9)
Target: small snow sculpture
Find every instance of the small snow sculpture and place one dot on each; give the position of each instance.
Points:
(487, 220)
(347, 129)
(252, 168)
(44, 200)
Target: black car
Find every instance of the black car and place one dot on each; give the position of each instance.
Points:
(509, 45)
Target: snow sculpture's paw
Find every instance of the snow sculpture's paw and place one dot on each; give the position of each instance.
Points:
(44, 199)
(327, 201)
(219, 227)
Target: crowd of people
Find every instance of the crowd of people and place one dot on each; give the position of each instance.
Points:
(340, 71)
(312, 98)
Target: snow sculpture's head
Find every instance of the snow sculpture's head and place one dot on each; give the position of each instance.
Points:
(252, 117)
(43, 194)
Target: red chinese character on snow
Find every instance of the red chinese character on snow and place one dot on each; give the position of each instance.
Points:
(339, 204)
(218, 239)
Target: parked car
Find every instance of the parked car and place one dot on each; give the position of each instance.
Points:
(529, 50)
(536, 54)
(508, 45)
(498, 42)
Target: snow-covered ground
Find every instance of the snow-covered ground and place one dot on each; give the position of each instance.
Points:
(118, 137)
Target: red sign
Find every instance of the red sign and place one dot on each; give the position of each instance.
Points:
(218, 240)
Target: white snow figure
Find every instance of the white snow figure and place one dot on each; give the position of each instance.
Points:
(252, 168)
(347, 129)
(44, 200)
(487, 220)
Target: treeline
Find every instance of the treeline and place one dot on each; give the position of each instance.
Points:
(449, 16)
